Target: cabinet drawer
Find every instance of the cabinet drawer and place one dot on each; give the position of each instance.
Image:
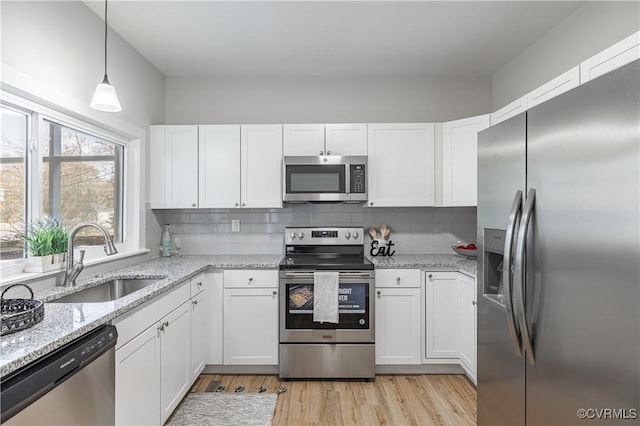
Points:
(197, 284)
(249, 278)
(398, 278)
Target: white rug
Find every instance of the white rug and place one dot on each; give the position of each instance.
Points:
(221, 408)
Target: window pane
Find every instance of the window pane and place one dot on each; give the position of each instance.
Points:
(82, 181)
(13, 148)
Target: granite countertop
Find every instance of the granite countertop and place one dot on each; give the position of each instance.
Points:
(64, 322)
(442, 262)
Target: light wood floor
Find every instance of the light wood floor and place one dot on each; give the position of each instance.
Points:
(389, 400)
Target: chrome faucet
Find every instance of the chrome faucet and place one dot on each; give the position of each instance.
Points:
(73, 270)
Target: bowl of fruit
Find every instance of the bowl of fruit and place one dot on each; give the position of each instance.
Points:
(468, 250)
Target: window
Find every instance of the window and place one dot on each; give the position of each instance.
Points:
(81, 180)
(13, 174)
(58, 168)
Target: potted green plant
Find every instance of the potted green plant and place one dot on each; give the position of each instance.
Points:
(45, 238)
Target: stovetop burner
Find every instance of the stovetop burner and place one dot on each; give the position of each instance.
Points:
(325, 248)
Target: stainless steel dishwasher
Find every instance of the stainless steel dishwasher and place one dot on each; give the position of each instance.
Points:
(75, 385)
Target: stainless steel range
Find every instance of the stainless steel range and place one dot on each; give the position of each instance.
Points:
(310, 349)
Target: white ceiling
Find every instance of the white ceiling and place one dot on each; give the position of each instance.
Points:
(187, 38)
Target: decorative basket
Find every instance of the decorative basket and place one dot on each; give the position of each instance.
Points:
(18, 314)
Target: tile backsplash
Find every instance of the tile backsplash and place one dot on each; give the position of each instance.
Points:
(413, 230)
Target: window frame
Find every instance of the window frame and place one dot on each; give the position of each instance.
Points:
(131, 138)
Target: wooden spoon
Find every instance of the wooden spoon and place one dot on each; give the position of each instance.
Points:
(384, 231)
(373, 232)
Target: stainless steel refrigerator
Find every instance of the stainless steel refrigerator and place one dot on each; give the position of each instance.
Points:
(559, 259)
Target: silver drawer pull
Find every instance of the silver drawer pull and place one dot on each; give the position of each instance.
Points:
(398, 280)
(275, 292)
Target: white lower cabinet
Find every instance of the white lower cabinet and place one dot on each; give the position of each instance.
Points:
(138, 381)
(175, 362)
(214, 330)
(468, 312)
(250, 322)
(153, 358)
(398, 325)
(442, 322)
(199, 310)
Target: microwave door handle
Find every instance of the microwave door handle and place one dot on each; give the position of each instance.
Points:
(347, 179)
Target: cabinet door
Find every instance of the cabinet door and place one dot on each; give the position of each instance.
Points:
(514, 108)
(157, 167)
(346, 139)
(304, 139)
(261, 167)
(198, 337)
(175, 360)
(181, 167)
(137, 380)
(401, 165)
(251, 326)
(213, 341)
(442, 317)
(398, 326)
(621, 53)
(459, 160)
(219, 166)
(562, 83)
(468, 322)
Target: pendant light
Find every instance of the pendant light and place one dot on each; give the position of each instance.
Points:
(105, 97)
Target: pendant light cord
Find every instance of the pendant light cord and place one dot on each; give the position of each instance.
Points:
(105, 38)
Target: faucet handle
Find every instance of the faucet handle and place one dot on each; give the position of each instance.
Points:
(81, 256)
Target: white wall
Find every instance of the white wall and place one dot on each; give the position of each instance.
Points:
(589, 30)
(60, 44)
(314, 99)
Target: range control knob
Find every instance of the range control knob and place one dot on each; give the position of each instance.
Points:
(347, 235)
(293, 235)
(301, 235)
(355, 234)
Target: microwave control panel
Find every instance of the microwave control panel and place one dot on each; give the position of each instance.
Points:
(358, 179)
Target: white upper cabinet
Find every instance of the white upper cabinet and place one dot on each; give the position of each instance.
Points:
(321, 139)
(346, 139)
(173, 169)
(619, 54)
(510, 110)
(304, 139)
(261, 166)
(459, 158)
(558, 85)
(219, 165)
(401, 165)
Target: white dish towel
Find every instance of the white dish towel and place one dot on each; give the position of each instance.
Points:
(325, 296)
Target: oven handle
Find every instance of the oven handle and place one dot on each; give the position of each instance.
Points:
(300, 275)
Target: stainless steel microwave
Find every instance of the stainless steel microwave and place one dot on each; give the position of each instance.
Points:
(325, 178)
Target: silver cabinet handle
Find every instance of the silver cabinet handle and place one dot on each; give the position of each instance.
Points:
(274, 292)
(370, 203)
(321, 152)
(378, 292)
(194, 302)
(430, 275)
(507, 275)
(398, 280)
(473, 302)
(237, 204)
(520, 273)
(166, 324)
(193, 204)
(199, 283)
(161, 328)
(328, 152)
(244, 204)
(250, 280)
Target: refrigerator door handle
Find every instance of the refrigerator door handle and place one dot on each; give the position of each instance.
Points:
(520, 275)
(507, 276)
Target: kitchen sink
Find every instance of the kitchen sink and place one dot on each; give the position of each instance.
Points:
(107, 291)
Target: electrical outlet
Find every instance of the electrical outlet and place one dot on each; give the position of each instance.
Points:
(235, 225)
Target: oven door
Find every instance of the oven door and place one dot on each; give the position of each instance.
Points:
(355, 308)
(324, 178)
